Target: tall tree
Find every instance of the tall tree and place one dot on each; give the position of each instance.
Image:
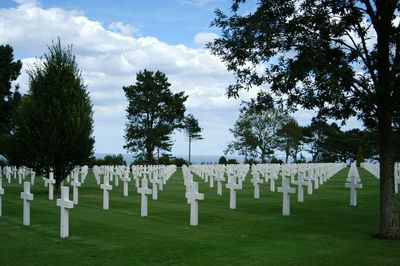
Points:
(153, 113)
(53, 125)
(291, 137)
(192, 131)
(9, 72)
(339, 57)
(256, 133)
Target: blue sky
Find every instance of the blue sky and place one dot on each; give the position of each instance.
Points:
(112, 42)
(172, 21)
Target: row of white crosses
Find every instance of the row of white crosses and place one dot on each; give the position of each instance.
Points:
(353, 182)
(1, 195)
(235, 173)
(192, 195)
(64, 203)
(374, 169)
(308, 175)
(156, 174)
(22, 172)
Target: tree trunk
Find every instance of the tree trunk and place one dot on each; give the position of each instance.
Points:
(149, 155)
(58, 185)
(263, 156)
(389, 226)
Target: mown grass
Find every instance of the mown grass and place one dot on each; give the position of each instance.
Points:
(323, 230)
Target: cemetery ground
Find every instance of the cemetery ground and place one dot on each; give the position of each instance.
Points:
(324, 230)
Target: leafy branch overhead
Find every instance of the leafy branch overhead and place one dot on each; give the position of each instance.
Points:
(341, 58)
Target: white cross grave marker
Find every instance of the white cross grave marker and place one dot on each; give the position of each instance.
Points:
(76, 184)
(1, 195)
(27, 196)
(65, 204)
(232, 185)
(50, 183)
(126, 180)
(33, 174)
(256, 183)
(106, 187)
(193, 196)
(219, 178)
(286, 190)
(155, 182)
(300, 183)
(144, 190)
(353, 185)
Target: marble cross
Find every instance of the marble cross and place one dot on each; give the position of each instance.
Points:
(256, 183)
(286, 190)
(193, 196)
(126, 180)
(65, 204)
(145, 191)
(155, 183)
(232, 186)
(219, 178)
(106, 187)
(75, 185)
(300, 184)
(50, 183)
(27, 196)
(353, 185)
(1, 195)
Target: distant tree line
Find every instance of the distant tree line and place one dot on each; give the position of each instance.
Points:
(263, 129)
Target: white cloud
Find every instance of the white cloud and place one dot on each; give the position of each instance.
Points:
(202, 38)
(109, 59)
(124, 29)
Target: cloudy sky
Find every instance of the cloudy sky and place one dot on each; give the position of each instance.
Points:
(113, 42)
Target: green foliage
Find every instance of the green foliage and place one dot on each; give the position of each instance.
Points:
(276, 160)
(3, 162)
(222, 160)
(256, 133)
(291, 139)
(359, 156)
(192, 128)
(53, 125)
(232, 161)
(9, 71)
(153, 113)
(328, 143)
(165, 159)
(341, 58)
(111, 160)
(179, 162)
(192, 131)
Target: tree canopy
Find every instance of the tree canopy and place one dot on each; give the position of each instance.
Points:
(192, 130)
(256, 133)
(341, 58)
(9, 72)
(153, 113)
(52, 127)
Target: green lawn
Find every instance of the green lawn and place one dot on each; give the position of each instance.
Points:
(323, 230)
